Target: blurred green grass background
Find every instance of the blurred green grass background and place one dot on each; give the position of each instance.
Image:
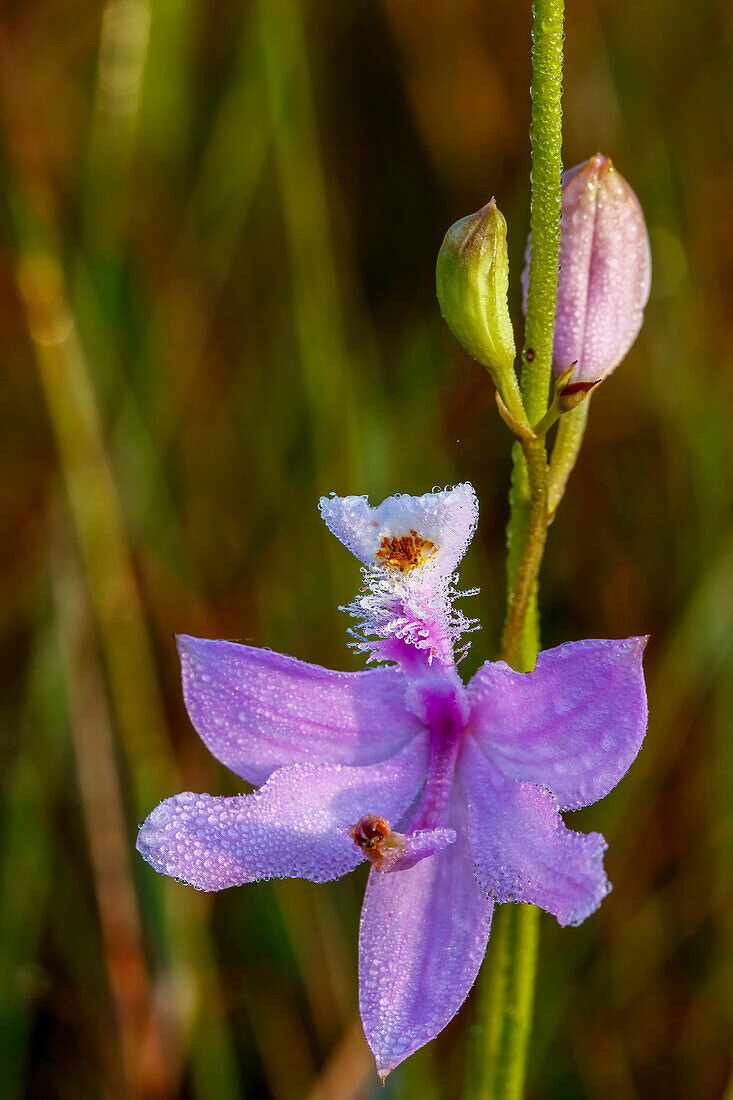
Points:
(219, 227)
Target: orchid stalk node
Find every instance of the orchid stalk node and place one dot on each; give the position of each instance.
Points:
(472, 280)
(522, 430)
(574, 394)
(567, 395)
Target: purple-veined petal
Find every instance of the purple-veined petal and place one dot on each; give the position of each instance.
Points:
(521, 847)
(573, 725)
(257, 710)
(422, 938)
(296, 825)
(446, 518)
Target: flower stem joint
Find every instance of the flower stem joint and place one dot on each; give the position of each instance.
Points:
(574, 394)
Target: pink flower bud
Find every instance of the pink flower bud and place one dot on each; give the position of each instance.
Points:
(605, 271)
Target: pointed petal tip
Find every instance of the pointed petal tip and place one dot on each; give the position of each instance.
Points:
(486, 209)
(184, 643)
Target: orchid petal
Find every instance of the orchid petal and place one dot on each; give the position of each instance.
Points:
(446, 518)
(257, 710)
(296, 825)
(422, 938)
(573, 725)
(521, 847)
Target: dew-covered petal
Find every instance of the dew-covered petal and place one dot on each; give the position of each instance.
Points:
(296, 825)
(257, 710)
(422, 938)
(446, 518)
(574, 725)
(521, 847)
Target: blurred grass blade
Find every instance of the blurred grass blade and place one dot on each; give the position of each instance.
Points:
(349, 1070)
(119, 616)
(317, 302)
(143, 1054)
(209, 238)
(30, 788)
(123, 48)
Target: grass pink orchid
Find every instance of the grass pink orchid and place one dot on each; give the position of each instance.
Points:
(452, 792)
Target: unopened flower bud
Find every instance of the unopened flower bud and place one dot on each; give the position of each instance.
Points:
(605, 271)
(472, 277)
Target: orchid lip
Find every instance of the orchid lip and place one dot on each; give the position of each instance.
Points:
(410, 548)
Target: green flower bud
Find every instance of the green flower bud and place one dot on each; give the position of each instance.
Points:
(472, 277)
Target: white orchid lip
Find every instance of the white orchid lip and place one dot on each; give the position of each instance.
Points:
(410, 547)
(404, 532)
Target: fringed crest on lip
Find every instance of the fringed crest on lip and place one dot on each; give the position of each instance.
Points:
(410, 547)
(395, 611)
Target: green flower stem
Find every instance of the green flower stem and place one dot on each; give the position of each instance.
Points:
(570, 432)
(497, 1068)
(503, 1024)
(531, 516)
(547, 41)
